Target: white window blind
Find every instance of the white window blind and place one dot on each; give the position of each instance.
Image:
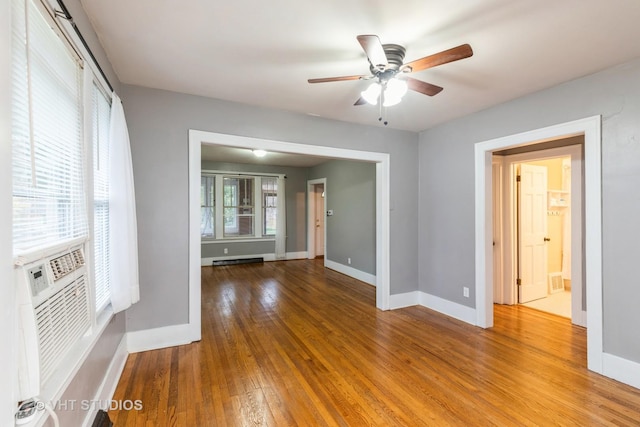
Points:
(101, 116)
(49, 204)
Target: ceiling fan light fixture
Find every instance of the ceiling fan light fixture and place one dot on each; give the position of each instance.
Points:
(395, 89)
(372, 93)
(390, 101)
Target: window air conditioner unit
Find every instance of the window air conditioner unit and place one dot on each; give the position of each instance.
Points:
(53, 311)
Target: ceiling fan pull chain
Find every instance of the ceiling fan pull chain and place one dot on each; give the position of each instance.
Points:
(381, 106)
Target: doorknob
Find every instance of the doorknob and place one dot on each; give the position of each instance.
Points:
(546, 239)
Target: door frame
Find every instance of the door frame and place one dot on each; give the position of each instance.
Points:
(311, 215)
(507, 189)
(591, 128)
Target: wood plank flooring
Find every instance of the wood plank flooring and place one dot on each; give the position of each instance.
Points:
(291, 343)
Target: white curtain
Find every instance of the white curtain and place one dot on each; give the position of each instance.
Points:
(123, 229)
(281, 222)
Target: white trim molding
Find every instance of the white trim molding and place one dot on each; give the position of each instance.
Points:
(621, 369)
(351, 272)
(441, 305)
(163, 337)
(407, 299)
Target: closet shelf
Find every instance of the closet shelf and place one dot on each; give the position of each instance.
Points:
(558, 199)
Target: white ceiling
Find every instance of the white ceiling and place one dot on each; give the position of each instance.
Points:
(262, 52)
(220, 153)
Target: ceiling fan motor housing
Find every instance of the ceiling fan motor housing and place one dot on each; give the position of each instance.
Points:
(395, 57)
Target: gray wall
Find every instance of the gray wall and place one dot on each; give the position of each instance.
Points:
(446, 227)
(351, 194)
(296, 188)
(158, 125)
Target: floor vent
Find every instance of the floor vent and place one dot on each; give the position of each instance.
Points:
(237, 261)
(556, 284)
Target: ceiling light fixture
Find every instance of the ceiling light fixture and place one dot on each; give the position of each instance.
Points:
(259, 153)
(388, 91)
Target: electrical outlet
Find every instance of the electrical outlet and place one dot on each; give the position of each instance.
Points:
(349, 261)
(465, 292)
(226, 250)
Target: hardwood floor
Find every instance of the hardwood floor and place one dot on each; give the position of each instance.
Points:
(292, 343)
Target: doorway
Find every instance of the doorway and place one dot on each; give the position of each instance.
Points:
(537, 236)
(543, 221)
(382, 161)
(316, 214)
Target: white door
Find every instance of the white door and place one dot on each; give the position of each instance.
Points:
(320, 215)
(533, 233)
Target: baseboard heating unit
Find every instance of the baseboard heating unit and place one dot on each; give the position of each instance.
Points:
(237, 261)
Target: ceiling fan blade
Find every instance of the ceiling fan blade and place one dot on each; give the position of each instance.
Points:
(335, 79)
(422, 87)
(360, 101)
(444, 57)
(373, 48)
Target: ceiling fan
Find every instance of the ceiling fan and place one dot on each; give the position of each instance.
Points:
(389, 72)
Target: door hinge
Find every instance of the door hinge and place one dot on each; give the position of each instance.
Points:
(517, 178)
(519, 282)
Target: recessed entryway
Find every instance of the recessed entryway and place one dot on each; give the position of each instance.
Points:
(538, 253)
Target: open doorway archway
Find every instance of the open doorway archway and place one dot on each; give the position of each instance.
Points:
(382, 160)
(591, 129)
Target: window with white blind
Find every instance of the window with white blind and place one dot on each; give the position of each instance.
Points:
(55, 156)
(101, 109)
(239, 206)
(49, 204)
(269, 205)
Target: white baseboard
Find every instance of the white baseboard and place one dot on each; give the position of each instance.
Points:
(351, 272)
(153, 339)
(404, 300)
(297, 255)
(451, 309)
(110, 381)
(206, 262)
(623, 370)
(441, 305)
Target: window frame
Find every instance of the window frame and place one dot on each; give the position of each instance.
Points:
(238, 208)
(257, 206)
(88, 78)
